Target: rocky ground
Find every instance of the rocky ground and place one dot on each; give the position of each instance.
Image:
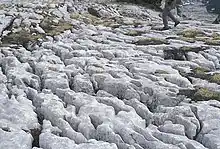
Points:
(84, 75)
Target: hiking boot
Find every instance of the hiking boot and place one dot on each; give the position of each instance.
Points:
(177, 23)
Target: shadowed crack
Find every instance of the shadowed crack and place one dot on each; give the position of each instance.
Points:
(6, 129)
(181, 53)
(195, 111)
(35, 134)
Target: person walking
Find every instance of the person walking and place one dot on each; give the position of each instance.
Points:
(169, 5)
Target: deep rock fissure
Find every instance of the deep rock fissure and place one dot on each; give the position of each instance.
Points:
(36, 134)
(194, 110)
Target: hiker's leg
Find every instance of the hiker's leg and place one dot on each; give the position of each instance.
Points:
(172, 17)
(165, 17)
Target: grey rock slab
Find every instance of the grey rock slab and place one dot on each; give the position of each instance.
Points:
(116, 103)
(20, 94)
(131, 119)
(102, 93)
(155, 94)
(44, 67)
(87, 128)
(152, 67)
(209, 136)
(61, 92)
(101, 110)
(73, 120)
(21, 77)
(179, 115)
(201, 60)
(54, 83)
(68, 131)
(44, 52)
(131, 93)
(109, 54)
(47, 127)
(126, 133)
(73, 70)
(103, 65)
(155, 51)
(82, 83)
(93, 144)
(39, 98)
(175, 63)
(212, 58)
(17, 114)
(116, 87)
(172, 128)
(205, 84)
(15, 139)
(95, 70)
(51, 141)
(52, 110)
(78, 61)
(49, 105)
(209, 117)
(4, 90)
(9, 62)
(119, 87)
(178, 80)
(134, 138)
(54, 80)
(141, 109)
(78, 99)
(105, 133)
(176, 139)
(53, 59)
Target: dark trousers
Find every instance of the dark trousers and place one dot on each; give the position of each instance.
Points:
(166, 14)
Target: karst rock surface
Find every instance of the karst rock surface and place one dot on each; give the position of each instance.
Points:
(101, 75)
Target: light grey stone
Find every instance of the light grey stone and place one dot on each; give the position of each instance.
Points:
(176, 139)
(49, 141)
(102, 93)
(17, 113)
(47, 127)
(54, 80)
(15, 139)
(172, 128)
(87, 128)
(116, 103)
(82, 83)
(208, 115)
(67, 131)
(179, 115)
(141, 109)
